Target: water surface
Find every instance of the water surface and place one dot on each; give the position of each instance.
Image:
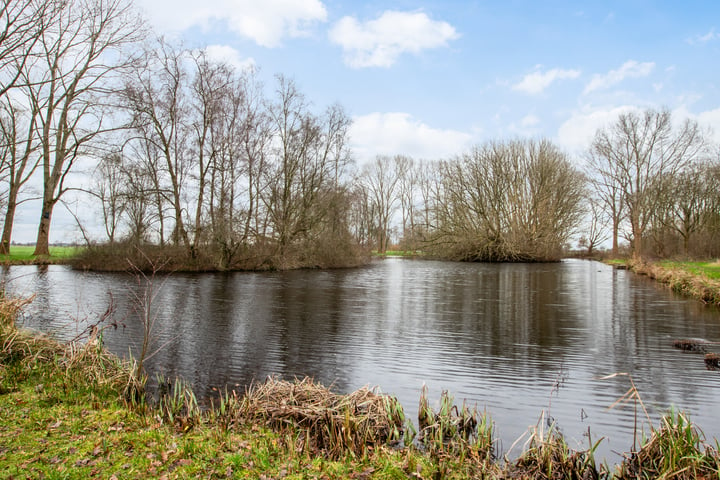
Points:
(514, 339)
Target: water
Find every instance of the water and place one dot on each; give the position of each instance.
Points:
(514, 339)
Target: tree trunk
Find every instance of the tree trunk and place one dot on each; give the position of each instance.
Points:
(42, 244)
(7, 228)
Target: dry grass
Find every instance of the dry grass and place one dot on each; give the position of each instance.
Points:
(325, 422)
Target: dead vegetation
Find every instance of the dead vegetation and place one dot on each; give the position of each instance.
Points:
(326, 422)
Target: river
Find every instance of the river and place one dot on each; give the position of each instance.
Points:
(516, 340)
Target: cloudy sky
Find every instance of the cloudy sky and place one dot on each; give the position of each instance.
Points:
(428, 78)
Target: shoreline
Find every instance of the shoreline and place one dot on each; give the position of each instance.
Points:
(74, 410)
(678, 279)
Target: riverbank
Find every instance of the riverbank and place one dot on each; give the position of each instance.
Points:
(75, 411)
(699, 280)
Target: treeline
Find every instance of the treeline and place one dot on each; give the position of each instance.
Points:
(196, 158)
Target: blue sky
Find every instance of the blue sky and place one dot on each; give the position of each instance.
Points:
(430, 78)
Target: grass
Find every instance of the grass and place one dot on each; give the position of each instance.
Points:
(700, 280)
(23, 254)
(73, 411)
(710, 270)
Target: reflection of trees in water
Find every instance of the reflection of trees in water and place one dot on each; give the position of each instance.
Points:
(497, 315)
(485, 332)
(631, 322)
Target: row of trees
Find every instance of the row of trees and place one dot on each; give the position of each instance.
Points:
(193, 154)
(208, 162)
(60, 63)
(656, 185)
(646, 182)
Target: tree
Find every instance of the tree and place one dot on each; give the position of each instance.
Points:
(21, 26)
(156, 97)
(512, 201)
(18, 160)
(110, 189)
(310, 156)
(68, 83)
(636, 155)
(380, 179)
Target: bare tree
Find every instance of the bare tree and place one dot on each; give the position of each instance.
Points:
(156, 96)
(595, 231)
(67, 83)
(637, 154)
(513, 201)
(18, 160)
(110, 189)
(21, 26)
(606, 182)
(310, 156)
(381, 180)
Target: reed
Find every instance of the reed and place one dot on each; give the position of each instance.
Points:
(177, 404)
(675, 451)
(325, 422)
(547, 455)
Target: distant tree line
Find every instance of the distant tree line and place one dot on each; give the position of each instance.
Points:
(194, 156)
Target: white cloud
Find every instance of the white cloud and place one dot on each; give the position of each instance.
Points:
(536, 82)
(229, 55)
(379, 42)
(711, 119)
(708, 119)
(399, 133)
(577, 132)
(529, 120)
(266, 22)
(629, 69)
(702, 39)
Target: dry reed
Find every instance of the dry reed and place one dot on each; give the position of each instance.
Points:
(324, 421)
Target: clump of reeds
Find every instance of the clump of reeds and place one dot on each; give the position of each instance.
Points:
(177, 404)
(323, 421)
(80, 364)
(548, 456)
(454, 429)
(692, 345)
(675, 451)
(712, 361)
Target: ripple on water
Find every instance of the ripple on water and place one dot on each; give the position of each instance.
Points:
(519, 340)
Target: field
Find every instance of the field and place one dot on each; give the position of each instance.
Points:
(24, 253)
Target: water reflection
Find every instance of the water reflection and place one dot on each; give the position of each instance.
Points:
(515, 339)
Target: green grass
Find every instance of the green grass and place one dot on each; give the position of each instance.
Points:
(24, 253)
(708, 269)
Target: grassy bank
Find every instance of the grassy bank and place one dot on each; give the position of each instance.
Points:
(700, 280)
(23, 255)
(75, 411)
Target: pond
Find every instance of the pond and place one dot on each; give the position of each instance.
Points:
(517, 340)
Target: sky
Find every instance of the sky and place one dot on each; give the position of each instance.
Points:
(431, 78)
